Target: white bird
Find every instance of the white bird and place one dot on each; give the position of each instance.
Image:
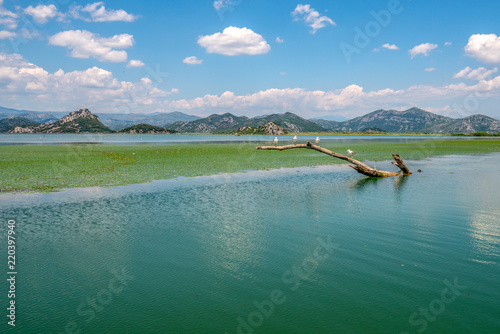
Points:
(295, 138)
(275, 141)
(350, 152)
(316, 140)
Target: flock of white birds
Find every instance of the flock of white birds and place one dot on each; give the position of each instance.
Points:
(349, 151)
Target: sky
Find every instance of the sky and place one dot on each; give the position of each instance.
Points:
(329, 59)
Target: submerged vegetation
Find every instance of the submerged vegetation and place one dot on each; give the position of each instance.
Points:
(53, 167)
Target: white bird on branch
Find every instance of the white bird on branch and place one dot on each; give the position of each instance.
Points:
(317, 140)
(275, 141)
(351, 153)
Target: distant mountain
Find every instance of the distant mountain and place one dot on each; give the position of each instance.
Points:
(146, 129)
(414, 120)
(37, 116)
(9, 124)
(229, 122)
(270, 128)
(472, 124)
(336, 118)
(213, 123)
(80, 121)
(31, 115)
(289, 121)
(121, 121)
(326, 124)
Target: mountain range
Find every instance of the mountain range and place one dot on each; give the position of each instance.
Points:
(413, 120)
(116, 122)
(229, 122)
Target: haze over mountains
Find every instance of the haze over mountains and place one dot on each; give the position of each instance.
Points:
(413, 120)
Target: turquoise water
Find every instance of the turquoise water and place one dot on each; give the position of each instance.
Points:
(302, 250)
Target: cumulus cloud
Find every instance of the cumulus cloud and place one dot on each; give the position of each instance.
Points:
(350, 101)
(448, 43)
(135, 63)
(478, 74)
(485, 48)
(84, 44)
(6, 34)
(279, 40)
(311, 17)
(422, 49)
(20, 79)
(430, 69)
(97, 12)
(41, 13)
(235, 41)
(387, 46)
(390, 46)
(192, 60)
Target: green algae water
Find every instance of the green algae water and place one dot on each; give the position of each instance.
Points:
(299, 250)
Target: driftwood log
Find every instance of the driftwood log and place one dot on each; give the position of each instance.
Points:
(357, 165)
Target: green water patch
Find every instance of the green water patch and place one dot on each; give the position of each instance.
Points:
(45, 168)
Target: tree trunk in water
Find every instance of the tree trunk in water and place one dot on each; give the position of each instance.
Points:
(357, 165)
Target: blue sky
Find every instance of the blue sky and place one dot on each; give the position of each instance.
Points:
(315, 58)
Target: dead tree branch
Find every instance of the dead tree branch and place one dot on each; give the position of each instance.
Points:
(356, 165)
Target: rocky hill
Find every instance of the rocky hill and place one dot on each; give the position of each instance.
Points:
(270, 128)
(146, 129)
(289, 121)
(9, 124)
(213, 123)
(80, 121)
(413, 120)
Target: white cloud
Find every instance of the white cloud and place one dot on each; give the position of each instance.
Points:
(221, 4)
(135, 63)
(350, 101)
(312, 17)
(8, 18)
(430, 69)
(22, 80)
(279, 40)
(41, 13)
(485, 48)
(235, 41)
(390, 46)
(84, 44)
(448, 43)
(387, 46)
(6, 34)
(99, 13)
(192, 60)
(422, 49)
(283, 73)
(478, 74)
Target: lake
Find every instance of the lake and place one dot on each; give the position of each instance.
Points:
(300, 250)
